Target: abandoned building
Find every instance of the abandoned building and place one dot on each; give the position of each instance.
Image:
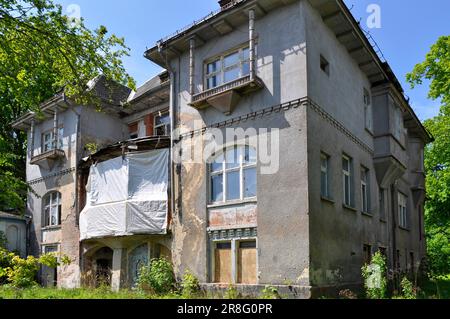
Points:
(350, 179)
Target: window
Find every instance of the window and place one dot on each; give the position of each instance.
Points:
(233, 175)
(244, 254)
(347, 171)
(368, 113)
(402, 210)
(48, 143)
(325, 176)
(228, 68)
(134, 130)
(367, 254)
(365, 190)
(324, 65)
(52, 209)
(162, 125)
(383, 252)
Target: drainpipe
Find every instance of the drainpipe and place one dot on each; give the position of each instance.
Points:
(55, 129)
(394, 235)
(172, 126)
(251, 16)
(192, 67)
(32, 132)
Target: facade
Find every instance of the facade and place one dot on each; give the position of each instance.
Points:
(335, 174)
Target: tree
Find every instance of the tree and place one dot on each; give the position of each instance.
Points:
(42, 52)
(436, 68)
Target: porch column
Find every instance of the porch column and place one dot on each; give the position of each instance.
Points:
(32, 132)
(192, 67)
(117, 272)
(251, 17)
(55, 129)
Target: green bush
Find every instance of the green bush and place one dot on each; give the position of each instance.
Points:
(270, 292)
(157, 277)
(375, 282)
(408, 290)
(190, 285)
(231, 293)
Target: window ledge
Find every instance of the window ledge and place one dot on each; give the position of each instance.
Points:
(367, 214)
(50, 228)
(353, 209)
(225, 97)
(233, 203)
(384, 221)
(404, 228)
(328, 200)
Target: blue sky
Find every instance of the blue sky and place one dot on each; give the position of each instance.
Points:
(408, 29)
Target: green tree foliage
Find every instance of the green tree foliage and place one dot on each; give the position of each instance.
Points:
(436, 69)
(41, 53)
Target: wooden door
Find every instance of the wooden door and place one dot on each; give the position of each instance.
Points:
(247, 263)
(223, 263)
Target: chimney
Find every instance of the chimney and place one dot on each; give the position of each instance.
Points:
(225, 3)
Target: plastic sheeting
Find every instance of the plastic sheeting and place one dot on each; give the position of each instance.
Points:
(127, 196)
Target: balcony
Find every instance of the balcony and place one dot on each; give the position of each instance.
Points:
(225, 97)
(48, 159)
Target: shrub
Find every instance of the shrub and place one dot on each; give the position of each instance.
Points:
(190, 285)
(408, 290)
(231, 293)
(270, 292)
(157, 277)
(375, 282)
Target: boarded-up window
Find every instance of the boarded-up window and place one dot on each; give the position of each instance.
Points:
(223, 263)
(247, 256)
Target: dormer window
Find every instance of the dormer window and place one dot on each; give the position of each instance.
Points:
(227, 68)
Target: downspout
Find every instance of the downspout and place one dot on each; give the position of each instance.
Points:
(394, 236)
(172, 125)
(251, 31)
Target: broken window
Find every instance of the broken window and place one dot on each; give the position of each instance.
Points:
(244, 254)
(227, 68)
(325, 176)
(52, 209)
(365, 190)
(347, 173)
(402, 210)
(233, 175)
(324, 65)
(48, 141)
(162, 125)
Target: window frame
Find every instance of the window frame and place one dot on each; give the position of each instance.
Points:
(402, 207)
(326, 171)
(365, 190)
(49, 146)
(224, 171)
(220, 72)
(52, 200)
(166, 126)
(347, 174)
(368, 111)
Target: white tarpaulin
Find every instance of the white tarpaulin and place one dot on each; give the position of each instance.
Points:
(127, 196)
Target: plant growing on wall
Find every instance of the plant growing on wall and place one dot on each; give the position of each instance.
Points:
(374, 275)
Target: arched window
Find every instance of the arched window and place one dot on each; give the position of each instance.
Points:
(233, 175)
(52, 209)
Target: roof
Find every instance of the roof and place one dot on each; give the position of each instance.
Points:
(129, 146)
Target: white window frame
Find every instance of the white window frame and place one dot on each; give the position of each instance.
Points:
(157, 126)
(325, 170)
(49, 145)
(365, 190)
(224, 172)
(220, 72)
(53, 203)
(402, 210)
(347, 174)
